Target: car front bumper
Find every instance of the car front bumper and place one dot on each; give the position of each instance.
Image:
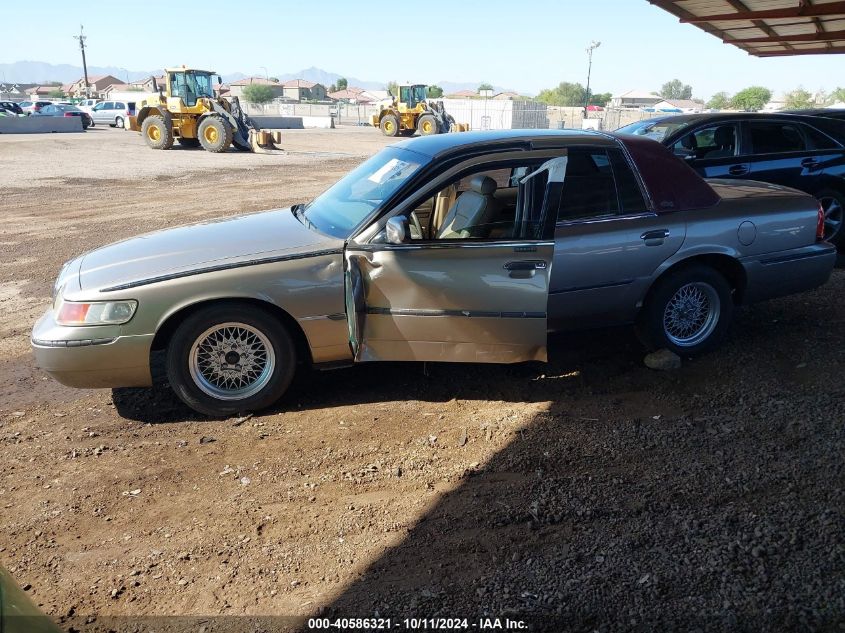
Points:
(93, 356)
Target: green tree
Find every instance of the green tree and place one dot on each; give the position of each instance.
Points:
(601, 98)
(836, 96)
(342, 84)
(56, 93)
(676, 89)
(565, 94)
(434, 92)
(333, 88)
(393, 88)
(751, 99)
(485, 86)
(799, 99)
(719, 101)
(274, 79)
(258, 93)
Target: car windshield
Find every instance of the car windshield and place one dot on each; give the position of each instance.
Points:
(657, 130)
(68, 108)
(357, 195)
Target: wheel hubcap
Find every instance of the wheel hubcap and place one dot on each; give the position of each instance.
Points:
(231, 361)
(691, 314)
(833, 216)
(210, 135)
(153, 133)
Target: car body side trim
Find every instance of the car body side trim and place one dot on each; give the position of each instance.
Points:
(455, 313)
(612, 284)
(73, 343)
(219, 267)
(796, 256)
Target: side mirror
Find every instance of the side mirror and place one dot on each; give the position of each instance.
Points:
(219, 79)
(397, 229)
(155, 85)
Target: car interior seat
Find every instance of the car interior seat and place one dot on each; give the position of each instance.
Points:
(472, 212)
(725, 141)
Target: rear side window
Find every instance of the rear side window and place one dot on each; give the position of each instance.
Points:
(119, 106)
(589, 191)
(817, 139)
(627, 186)
(769, 137)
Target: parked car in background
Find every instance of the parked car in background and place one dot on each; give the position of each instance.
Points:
(113, 113)
(11, 107)
(33, 106)
(86, 104)
(55, 109)
(451, 247)
(803, 152)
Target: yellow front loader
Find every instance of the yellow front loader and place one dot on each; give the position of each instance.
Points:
(186, 110)
(411, 112)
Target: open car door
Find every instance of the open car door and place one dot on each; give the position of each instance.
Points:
(459, 300)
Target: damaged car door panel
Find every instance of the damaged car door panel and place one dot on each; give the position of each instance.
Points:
(459, 248)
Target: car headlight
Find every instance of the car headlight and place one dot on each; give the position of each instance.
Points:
(96, 312)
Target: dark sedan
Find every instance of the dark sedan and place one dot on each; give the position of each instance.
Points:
(10, 107)
(66, 111)
(802, 152)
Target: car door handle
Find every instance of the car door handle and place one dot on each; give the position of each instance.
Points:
(531, 264)
(738, 170)
(810, 163)
(654, 238)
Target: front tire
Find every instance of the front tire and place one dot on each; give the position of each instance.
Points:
(215, 134)
(688, 311)
(230, 359)
(157, 133)
(427, 125)
(389, 125)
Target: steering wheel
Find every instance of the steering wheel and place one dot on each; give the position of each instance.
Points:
(416, 227)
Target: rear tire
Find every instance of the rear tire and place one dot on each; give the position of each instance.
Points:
(389, 125)
(230, 359)
(215, 134)
(427, 125)
(688, 311)
(188, 142)
(118, 122)
(833, 204)
(157, 133)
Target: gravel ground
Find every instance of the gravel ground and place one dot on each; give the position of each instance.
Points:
(587, 494)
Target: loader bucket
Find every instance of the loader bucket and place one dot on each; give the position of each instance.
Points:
(263, 142)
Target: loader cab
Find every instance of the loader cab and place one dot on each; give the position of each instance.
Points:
(411, 95)
(189, 85)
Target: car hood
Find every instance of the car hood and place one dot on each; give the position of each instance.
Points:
(199, 246)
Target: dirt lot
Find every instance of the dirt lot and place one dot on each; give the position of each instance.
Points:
(587, 494)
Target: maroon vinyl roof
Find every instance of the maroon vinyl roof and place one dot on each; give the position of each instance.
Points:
(672, 184)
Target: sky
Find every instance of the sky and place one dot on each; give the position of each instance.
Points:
(526, 45)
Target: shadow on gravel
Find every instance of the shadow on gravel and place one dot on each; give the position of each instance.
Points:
(724, 517)
(575, 358)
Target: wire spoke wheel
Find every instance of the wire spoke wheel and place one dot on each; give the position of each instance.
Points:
(691, 314)
(231, 361)
(833, 216)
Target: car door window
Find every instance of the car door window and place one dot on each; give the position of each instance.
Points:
(628, 190)
(770, 137)
(589, 189)
(119, 106)
(99, 107)
(817, 139)
(713, 141)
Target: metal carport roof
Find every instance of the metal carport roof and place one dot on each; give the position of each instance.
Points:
(767, 28)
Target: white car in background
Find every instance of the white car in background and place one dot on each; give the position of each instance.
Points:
(113, 113)
(87, 104)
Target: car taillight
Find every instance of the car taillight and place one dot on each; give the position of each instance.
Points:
(68, 114)
(820, 224)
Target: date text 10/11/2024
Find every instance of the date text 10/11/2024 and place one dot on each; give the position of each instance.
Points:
(409, 624)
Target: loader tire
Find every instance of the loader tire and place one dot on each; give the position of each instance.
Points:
(189, 143)
(427, 125)
(157, 133)
(389, 125)
(215, 134)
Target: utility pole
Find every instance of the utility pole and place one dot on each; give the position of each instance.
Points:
(593, 46)
(82, 39)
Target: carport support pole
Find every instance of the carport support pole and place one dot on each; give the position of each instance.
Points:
(81, 39)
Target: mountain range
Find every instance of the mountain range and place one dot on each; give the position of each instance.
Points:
(42, 72)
